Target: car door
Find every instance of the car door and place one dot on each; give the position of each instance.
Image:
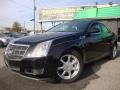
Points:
(106, 36)
(94, 45)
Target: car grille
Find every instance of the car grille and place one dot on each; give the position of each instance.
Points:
(16, 51)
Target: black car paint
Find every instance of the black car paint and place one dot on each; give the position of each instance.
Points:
(90, 46)
(30, 40)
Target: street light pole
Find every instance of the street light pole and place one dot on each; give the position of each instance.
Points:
(24, 27)
(34, 15)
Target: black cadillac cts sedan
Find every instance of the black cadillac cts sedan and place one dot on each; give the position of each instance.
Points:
(62, 51)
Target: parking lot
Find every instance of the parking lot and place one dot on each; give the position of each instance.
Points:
(100, 75)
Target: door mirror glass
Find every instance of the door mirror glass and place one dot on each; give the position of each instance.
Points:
(94, 30)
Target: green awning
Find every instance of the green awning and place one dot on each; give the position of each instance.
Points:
(105, 12)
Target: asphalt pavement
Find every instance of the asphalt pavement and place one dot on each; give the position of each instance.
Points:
(100, 75)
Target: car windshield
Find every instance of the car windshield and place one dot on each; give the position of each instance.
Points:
(73, 26)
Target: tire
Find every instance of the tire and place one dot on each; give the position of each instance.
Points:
(113, 52)
(1, 44)
(70, 67)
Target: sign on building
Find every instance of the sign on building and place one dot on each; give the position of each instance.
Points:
(58, 14)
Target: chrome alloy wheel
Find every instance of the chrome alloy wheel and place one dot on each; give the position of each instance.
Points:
(114, 51)
(69, 67)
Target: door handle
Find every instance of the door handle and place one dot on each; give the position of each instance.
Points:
(82, 37)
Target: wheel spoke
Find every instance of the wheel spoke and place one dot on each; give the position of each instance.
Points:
(75, 69)
(73, 62)
(69, 58)
(69, 74)
(63, 73)
(62, 61)
(59, 68)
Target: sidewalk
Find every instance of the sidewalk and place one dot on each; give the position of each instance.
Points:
(109, 76)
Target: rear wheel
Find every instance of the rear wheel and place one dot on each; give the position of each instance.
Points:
(70, 66)
(114, 52)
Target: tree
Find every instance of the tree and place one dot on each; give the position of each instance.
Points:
(83, 7)
(110, 3)
(16, 27)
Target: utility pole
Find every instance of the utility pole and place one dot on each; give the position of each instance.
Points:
(96, 8)
(24, 26)
(34, 15)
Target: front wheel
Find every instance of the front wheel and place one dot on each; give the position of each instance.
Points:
(70, 66)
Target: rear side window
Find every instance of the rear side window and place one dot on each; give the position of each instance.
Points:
(104, 29)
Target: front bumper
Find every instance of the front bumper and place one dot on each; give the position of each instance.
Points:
(5, 43)
(31, 67)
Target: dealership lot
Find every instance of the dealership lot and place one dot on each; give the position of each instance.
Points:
(100, 75)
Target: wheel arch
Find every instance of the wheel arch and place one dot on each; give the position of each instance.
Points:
(114, 43)
(81, 51)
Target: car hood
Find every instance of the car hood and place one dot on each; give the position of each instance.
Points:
(42, 37)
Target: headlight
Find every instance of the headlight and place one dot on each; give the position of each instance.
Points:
(40, 50)
(4, 40)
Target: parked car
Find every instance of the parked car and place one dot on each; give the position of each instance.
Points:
(63, 51)
(23, 33)
(4, 40)
(14, 35)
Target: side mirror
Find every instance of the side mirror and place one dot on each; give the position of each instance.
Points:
(94, 30)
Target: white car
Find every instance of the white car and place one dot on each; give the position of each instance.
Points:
(4, 40)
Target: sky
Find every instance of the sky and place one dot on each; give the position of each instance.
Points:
(22, 10)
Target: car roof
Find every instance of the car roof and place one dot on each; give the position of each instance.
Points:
(85, 21)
